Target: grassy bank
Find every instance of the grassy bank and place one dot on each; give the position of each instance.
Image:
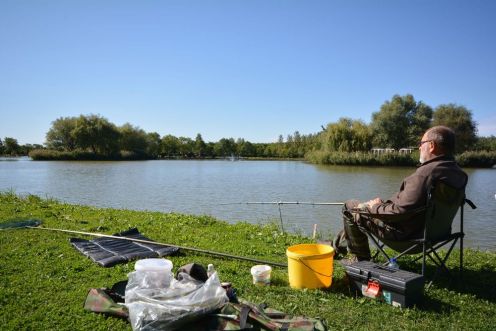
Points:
(44, 281)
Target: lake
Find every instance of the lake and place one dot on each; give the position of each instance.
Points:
(221, 189)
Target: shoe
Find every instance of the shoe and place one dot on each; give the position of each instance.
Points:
(339, 253)
(348, 261)
(352, 259)
(339, 245)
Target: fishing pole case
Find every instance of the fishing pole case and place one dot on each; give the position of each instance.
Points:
(397, 287)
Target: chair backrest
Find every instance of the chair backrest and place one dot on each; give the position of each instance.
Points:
(442, 206)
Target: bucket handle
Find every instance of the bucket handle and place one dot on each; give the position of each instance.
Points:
(315, 271)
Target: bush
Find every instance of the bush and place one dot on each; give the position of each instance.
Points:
(476, 159)
(50, 154)
(362, 158)
(54, 155)
(480, 159)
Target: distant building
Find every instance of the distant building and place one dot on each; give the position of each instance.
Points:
(382, 150)
(406, 150)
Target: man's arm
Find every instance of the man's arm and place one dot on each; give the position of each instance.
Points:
(411, 197)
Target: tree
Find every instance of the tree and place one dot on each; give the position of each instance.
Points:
(200, 146)
(97, 134)
(186, 147)
(460, 120)
(153, 144)
(225, 147)
(209, 150)
(26, 149)
(298, 146)
(2, 148)
(132, 139)
(290, 148)
(169, 146)
(245, 148)
(269, 150)
(280, 147)
(313, 142)
(400, 122)
(61, 134)
(11, 146)
(484, 144)
(346, 135)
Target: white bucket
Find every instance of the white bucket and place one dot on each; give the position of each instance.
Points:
(154, 273)
(261, 274)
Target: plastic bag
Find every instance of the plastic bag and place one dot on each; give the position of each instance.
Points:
(169, 308)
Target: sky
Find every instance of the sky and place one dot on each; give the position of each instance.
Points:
(252, 69)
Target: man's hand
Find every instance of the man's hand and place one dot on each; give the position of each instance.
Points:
(369, 204)
(373, 202)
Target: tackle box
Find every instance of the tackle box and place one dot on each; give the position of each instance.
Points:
(397, 287)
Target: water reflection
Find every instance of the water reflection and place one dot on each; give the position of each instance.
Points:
(202, 187)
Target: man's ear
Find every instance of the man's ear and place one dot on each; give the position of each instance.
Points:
(433, 148)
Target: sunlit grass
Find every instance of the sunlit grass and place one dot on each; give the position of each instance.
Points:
(44, 281)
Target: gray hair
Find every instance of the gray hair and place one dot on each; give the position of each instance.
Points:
(443, 137)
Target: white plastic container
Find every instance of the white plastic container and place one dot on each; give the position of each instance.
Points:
(154, 273)
(153, 265)
(261, 274)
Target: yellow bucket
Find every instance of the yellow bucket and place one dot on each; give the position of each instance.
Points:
(310, 265)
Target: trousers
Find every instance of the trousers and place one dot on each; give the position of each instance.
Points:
(356, 225)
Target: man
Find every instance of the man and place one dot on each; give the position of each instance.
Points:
(397, 223)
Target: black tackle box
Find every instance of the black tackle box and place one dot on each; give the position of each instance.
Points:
(397, 287)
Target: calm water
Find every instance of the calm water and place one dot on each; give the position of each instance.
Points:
(204, 187)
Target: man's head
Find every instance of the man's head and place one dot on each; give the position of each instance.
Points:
(438, 140)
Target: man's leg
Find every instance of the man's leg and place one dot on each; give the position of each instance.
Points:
(358, 242)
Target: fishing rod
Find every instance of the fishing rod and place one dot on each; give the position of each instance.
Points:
(285, 203)
(35, 224)
(280, 203)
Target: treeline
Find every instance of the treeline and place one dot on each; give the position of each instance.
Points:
(93, 137)
(10, 147)
(399, 123)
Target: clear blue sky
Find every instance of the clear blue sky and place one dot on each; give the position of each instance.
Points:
(250, 69)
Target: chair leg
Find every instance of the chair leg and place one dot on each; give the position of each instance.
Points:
(378, 245)
(423, 258)
(460, 275)
(440, 262)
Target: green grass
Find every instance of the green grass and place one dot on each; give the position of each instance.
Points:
(44, 281)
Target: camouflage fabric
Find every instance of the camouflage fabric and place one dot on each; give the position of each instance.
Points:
(248, 316)
(99, 300)
(232, 316)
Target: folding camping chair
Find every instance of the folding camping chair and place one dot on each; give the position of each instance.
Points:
(443, 202)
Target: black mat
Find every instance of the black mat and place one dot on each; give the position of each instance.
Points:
(108, 252)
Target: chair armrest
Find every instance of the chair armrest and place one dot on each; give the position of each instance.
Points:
(391, 218)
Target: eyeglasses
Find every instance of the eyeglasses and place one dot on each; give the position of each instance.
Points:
(423, 142)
